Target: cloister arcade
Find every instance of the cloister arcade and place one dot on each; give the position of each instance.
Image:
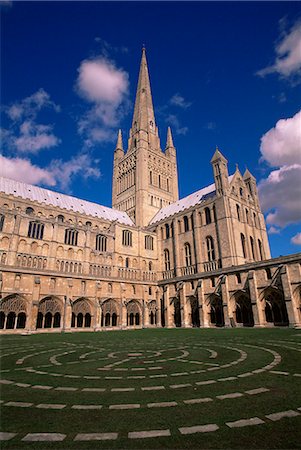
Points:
(81, 313)
(243, 309)
(49, 313)
(109, 316)
(133, 313)
(275, 307)
(216, 310)
(13, 312)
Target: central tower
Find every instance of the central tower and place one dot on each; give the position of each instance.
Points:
(145, 179)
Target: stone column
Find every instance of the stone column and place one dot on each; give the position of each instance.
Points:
(198, 241)
(225, 300)
(205, 305)
(176, 247)
(123, 314)
(199, 298)
(146, 314)
(67, 314)
(258, 313)
(184, 304)
(158, 307)
(169, 321)
(291, 308)
(31, 320)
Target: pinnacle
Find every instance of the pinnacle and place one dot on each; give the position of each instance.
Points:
(119, 144)
(217, 155)
(169, 141)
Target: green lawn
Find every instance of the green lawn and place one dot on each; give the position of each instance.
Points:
(153, 366)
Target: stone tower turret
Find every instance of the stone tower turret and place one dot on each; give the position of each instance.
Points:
(220, 172)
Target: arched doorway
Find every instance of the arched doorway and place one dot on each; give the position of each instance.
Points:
(49, 313)
(216, 311)
(109, 314)
(177, 312)
(275, 308)
(195, 312)
(81, 313)
(133, 313)
(12, 312)
(243, 311)
(152, 312)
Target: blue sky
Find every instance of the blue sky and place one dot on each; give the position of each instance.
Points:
(222, 73)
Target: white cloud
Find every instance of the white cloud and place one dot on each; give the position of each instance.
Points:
(296, 239)
(288, 55)
(282, 144)
(172, 120)
(280, 192)
(24, 134)
(57, 173)
(274, 230)
(104, 85)
(179, 100)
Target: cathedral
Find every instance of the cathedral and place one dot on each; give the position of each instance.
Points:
(152, 260)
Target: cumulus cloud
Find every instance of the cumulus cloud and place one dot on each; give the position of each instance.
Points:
(288, 55)
(280, 192)
(57, 173)
(296, 239)
(105, 87)
(282, 144)
(24, 134)
(273, 230)
(173, 120)
(179, 100)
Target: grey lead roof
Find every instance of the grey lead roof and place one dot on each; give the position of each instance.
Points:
(41, 195)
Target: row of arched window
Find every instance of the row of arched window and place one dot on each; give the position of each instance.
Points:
(187, 253)
(252, 246)
(187, 224)
(247, 216)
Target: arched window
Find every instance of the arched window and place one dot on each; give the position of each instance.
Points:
(247, 215)
(60, 218)
(167, 184)
(166, 259)
(1, 221)
(255, 220)
(149, 242)
(127, 240)
(167, 231)
(29, 211)
(187, 251)
(35, 230)
(71, 236)
(252, 247)
(238, 212)
(260, 249)
(159, 181)
(207, 216)
(150, 266)
(127, 262)
(150, 177)
(210, 248)
(186, 223)
(243, 245)
(214, 213)
(101, 243)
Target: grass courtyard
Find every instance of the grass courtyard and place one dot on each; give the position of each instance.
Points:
(159, 388)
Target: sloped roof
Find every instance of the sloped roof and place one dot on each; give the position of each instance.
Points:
(52, 198)
(185, 203)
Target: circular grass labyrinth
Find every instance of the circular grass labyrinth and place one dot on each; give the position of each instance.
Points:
(152, 388)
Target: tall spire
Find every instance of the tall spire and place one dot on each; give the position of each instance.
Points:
(169, 141)
(119, 144)
(143, 117)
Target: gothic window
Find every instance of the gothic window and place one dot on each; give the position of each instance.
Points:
(255, 219)
(241, 191)
(127, 262)
(159, 181)
(35, 230)
(186, 223)
(167, 184)
(166, 259)
(212, 281)
(247, 215)
(268, 273)
(151, 177)
(149, 243)
(207, 216)
(260, 249)
(60, 218)
(243, 245)
(29, 211)
(252, 247)
(238, 212)
(71, 236)
(187, 250)
(150, 291)
(150, 266)
(101, 243)
(210, 248)
(88, 224)
(1, 221)
(127, 238)
(214, 213)
(238, 278)
(167, 231)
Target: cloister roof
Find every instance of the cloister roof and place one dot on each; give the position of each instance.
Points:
(63, 201)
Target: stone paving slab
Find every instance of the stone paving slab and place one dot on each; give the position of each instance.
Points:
(282, 414)
(179, 386)
(203, 383)
(86, 406)
(278, 372)
(66, 388)
(245, 422)
(96, 437)
(126, 389)
(20, 404)
(93, 390)
(38, 386)
(125, 406)
(227, 379)
(148, 434)
(199, 429)
(162, 375)
(51, 406)
(260, 390)
(232, 395)
(161, 404)
(152, 388)
(6, 382)
(244, 375)
(24, 385)
(6, 436)
(198, 400)
(50, 437)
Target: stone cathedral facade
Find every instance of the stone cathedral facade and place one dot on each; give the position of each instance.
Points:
(152, 260)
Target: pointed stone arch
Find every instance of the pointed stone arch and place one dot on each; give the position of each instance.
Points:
(133, 313)
(297, 301)
(110, 315)
(195, 311)
(275, 307)
(50, 312)
(13, 312)
(243, 308)
(81, 313)
(152, 312)
(216, 312)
